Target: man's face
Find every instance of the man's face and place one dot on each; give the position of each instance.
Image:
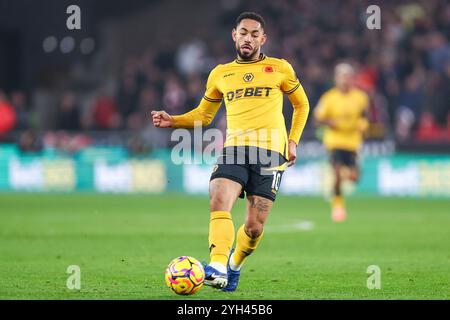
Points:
(343, 78)
(249, 36)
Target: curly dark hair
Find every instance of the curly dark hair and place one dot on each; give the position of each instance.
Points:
(252, 16)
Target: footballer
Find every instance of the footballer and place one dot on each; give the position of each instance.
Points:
(342, 111)
(252, 87)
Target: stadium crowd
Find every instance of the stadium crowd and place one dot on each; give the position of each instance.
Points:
(405, 68)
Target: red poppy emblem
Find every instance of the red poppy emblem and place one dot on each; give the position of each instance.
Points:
(268, 69)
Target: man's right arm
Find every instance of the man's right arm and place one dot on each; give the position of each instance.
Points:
(203, 114)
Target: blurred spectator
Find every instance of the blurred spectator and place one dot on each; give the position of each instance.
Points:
(67, 142)
(174, 96)
(165, 57)
(412, 96)
(438, 52)
(69, 113)
(18, 101)
(428, 129)
(148, 100)
(447, 133)
(127, 95)
(136, 146)
(195, 91)
(192, 58)
(29, 141)
(105, 113)
(7, 115)
(404, 122)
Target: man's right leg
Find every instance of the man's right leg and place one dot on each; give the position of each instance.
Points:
(223, 195)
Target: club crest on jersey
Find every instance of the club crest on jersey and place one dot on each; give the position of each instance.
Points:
(248, 77)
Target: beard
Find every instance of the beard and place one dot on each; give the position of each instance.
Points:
(247, 56)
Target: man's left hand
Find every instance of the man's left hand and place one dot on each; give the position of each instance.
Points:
(292, 153)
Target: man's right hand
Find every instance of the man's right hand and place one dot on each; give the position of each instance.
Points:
(161, 119)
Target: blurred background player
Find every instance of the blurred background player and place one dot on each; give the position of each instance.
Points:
(342, 110)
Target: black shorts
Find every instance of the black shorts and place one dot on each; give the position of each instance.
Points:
(257, 170)
(344, 157)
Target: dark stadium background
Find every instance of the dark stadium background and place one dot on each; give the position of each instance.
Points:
(74, 109)
(135, 64)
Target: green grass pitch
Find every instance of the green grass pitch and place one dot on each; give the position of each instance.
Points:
(123, 243)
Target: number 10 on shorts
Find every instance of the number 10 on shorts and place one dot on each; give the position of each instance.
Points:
(276, 180)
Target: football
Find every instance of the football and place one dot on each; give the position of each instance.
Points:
(185, 275)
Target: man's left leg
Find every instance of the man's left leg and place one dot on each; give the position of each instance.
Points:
(248, 236)
(345, 168)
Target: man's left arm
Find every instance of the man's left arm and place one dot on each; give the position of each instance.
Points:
(300, 104)
(297, 96)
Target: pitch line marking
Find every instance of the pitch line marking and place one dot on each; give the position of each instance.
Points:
(300, 225)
